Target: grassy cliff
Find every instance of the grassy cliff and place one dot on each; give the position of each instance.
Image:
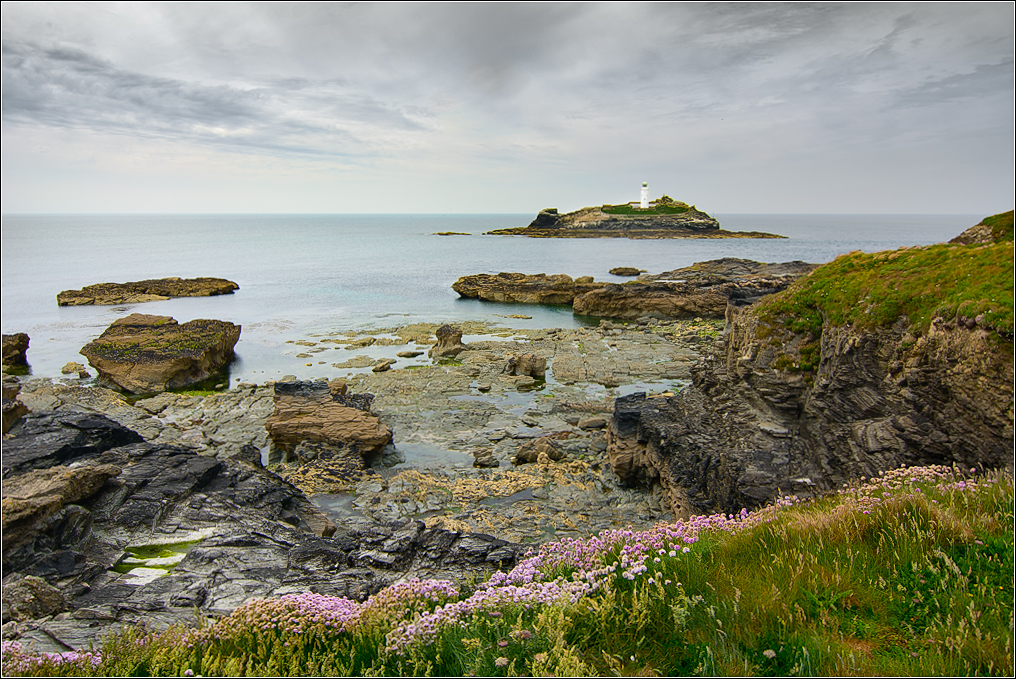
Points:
(871, 290)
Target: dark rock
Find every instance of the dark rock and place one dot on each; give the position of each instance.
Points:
(51, 439)
(14, 349)
(26, 597)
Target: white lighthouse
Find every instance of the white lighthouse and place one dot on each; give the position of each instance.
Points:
(645, 196)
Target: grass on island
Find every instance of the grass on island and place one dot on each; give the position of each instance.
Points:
(871, 290)
(657, 210)
(909, 573)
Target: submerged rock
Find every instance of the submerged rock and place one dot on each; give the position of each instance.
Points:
(145, 354)
(146, 291)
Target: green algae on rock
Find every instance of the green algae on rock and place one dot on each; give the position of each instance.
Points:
(145, 354)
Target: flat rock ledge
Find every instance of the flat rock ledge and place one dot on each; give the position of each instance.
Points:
(153, 290)
(705, 289)
(145, 354)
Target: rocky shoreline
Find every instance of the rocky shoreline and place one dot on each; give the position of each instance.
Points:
(498, 460)
(157, 510)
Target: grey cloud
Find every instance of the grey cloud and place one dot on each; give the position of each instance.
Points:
(67, 87)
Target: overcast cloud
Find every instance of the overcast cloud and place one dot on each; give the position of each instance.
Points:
(162, 107)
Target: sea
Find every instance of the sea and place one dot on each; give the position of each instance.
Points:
(304, 277)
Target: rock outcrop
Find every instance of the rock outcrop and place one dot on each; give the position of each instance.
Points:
(990, 230)
(753, 426)
(143, 534)
(524, 288)
(145, 291)
(664, 218)
(314, 412)
(449, 343)
(14, 349)
(702, 290)
(146, 354)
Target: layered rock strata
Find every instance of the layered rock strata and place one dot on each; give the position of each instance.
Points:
(146, 354)
(145, 291)
(752, 426)
(315, 412)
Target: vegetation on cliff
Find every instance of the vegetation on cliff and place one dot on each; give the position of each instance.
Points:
(902, 575)
(872, 290)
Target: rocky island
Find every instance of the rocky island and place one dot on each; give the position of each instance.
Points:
(662, 218)
(153, 290)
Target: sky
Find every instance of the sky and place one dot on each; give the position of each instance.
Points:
(506, 108)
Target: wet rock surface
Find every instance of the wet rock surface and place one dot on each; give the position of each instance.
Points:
(146, 291)
(144, 354)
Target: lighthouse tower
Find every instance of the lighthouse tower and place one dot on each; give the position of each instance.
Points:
(645, 196)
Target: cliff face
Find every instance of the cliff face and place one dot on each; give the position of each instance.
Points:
(773, 412)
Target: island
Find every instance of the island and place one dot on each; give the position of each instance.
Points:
(661, 218)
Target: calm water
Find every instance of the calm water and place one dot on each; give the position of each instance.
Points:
(306, 274)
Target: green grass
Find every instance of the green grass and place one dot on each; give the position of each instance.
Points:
(658, 210)
(875, 290)
(909, 574)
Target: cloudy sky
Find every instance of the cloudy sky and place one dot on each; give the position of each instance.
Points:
(347, 107)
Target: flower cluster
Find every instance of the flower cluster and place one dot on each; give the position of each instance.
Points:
(425, 629)
(17, 661)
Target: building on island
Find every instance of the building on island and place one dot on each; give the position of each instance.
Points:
(645, 196)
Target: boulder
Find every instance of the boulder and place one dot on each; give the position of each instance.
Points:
(14, 349)
(449, 343)
(146, 291)
(311, 411)
(75, 368)
(626, 271)
(27, 597)
(146, 354)
(527, 364)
